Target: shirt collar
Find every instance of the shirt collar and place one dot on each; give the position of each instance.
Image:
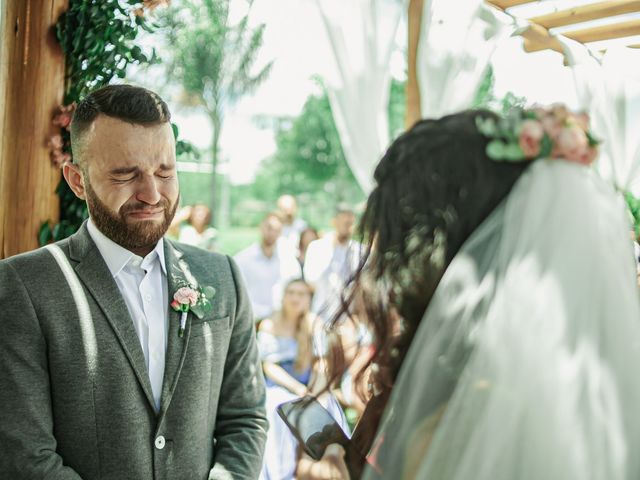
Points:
(117, 257)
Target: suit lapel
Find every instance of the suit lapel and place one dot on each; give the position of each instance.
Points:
(178, 274)
(94, 273)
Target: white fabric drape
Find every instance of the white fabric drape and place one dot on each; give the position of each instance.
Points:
(457, 40)
(609, 89)
(361, 34)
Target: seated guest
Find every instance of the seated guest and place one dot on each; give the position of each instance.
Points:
(307, 236)
(198, 230)
(266, 268)
(286, 346)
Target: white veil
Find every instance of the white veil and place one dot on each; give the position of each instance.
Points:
(525, 365)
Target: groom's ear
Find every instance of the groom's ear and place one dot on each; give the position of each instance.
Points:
(74, 177)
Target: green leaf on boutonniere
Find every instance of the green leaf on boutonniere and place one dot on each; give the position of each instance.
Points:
(197, 310)
(209, 292)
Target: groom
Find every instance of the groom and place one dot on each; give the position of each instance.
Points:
(99, 376)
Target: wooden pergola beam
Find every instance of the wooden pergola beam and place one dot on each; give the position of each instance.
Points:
(509, 3)
(535, 39)
(31, 86)
(586, 13)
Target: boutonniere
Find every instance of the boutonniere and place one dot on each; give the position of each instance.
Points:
(189, 298)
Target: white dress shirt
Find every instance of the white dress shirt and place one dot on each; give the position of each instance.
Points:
(265, 277)
(143, 285)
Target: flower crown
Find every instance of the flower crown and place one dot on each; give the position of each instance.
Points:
(528, 134)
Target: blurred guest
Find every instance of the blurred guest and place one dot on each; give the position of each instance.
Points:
(266, 268)
(292, 226)
(181, 217)
(286, 345)
(198, 230)
(330, 261)
(307, 236)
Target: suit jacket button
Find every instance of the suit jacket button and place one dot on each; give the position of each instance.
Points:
(160, 442)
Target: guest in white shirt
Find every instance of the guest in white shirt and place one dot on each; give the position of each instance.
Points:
(330, 261)
(266, 267)
(292, 225)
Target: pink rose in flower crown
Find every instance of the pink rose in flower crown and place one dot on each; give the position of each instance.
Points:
(582, 120)
(186, 295)
(531, 135)
(551, 125)
(573, 145)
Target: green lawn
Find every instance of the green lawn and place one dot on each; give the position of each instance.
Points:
(233, 239)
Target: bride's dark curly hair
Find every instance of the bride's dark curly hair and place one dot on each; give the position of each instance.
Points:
(434, 187)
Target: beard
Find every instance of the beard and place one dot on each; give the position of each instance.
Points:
(132, 236)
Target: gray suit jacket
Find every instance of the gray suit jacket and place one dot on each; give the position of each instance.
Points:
(76, 401)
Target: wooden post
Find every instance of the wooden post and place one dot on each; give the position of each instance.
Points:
(413, 111)
(31, 87)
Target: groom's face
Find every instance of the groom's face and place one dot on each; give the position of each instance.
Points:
(130, 181)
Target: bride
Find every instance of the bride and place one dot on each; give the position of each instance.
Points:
(500, 288)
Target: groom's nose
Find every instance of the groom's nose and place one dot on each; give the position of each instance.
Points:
(147, 191)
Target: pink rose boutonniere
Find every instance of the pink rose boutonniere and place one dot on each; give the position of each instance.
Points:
(189, 298)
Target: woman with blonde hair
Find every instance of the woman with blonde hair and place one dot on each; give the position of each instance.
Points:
(286, 344)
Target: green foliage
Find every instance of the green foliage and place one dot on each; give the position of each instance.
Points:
(194, 188)
(97, 38)
(309, 158)
(633, 204)
(397, 107)
(310, 164)
(484, 94)
(485, 98)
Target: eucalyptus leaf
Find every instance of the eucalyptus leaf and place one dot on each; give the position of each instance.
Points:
(496, 150)
(197, 310)
(209, 292)
(513, 152)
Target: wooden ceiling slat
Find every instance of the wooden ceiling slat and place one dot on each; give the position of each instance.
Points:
(537, 38)
(587, 13)
(509, 3)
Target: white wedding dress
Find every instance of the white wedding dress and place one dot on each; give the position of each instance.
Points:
(525, 365)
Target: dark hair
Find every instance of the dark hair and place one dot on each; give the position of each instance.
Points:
(434, 187)
(129, 103)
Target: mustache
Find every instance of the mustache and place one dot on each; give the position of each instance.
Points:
(143, 207)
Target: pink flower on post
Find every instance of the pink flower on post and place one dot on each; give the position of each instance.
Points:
(64, 115)
(55, 142)
(59, 158)
(531, 136)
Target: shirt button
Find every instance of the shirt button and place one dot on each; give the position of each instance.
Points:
(160, 442)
